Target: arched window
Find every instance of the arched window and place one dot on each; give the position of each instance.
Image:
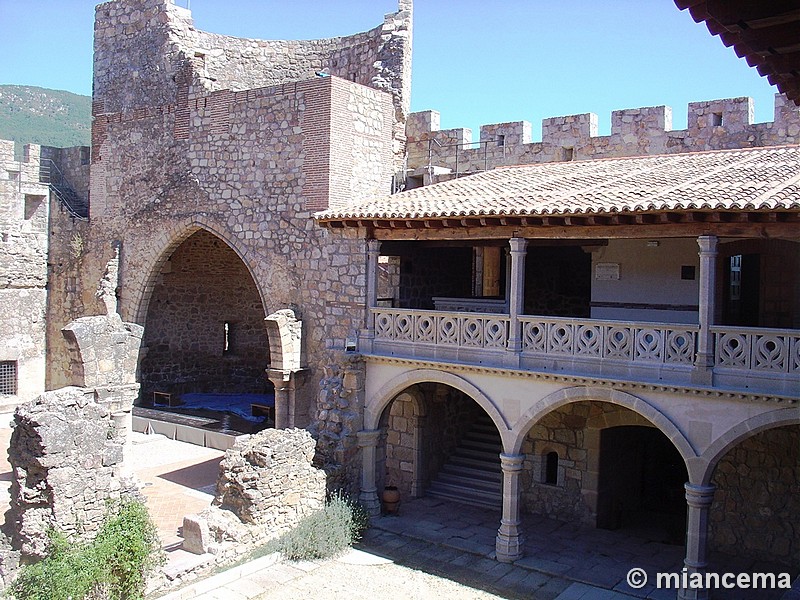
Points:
(551, 468)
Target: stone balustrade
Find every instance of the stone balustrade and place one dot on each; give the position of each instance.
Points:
(745, 359)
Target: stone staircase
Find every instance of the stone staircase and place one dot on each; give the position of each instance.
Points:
(472, 474)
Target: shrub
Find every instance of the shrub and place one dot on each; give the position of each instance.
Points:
(114, 565)
(327, 532)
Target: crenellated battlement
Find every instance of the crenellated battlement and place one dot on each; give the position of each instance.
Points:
(711, 125)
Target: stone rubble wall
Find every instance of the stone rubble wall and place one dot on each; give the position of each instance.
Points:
(24, 215)
(338, 417)
(66, 455)
(267, 483)
(634, 132)
(758, 490)
(142, 47)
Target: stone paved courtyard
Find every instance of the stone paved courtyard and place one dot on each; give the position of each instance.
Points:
(429, 539)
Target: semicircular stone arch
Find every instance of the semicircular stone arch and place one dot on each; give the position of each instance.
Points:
(584, 394)
(377, 403)
(739, 433)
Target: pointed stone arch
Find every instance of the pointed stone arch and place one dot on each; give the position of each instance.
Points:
(138, 292)
(204, 317)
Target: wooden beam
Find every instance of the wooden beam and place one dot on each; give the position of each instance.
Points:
(785, 230)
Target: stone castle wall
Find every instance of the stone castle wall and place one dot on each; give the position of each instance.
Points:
(170, 157)
(142, 47)
(65, 260)
(712, 125)
(24, 215)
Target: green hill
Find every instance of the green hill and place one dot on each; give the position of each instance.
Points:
(34, 115)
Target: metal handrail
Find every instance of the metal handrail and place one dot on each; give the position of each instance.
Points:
(61, 187)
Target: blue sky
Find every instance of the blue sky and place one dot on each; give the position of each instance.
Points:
(475, 61)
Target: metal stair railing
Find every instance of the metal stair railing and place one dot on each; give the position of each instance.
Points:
(75, 205)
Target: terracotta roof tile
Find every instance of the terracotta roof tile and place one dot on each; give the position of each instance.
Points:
(749, 179)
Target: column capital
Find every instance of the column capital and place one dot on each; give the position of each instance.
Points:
(511, 462)
(707, 243)
(373, 246)
(278, 375)
(368, 437)
(518, 244)
(699, 496)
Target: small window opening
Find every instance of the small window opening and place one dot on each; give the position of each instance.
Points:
(8, 377)
(568, 153)
(688, 272)
(551, 468)
(227, 330)
(716, 119)
(501, 140)
(85, 155)
(736, 277)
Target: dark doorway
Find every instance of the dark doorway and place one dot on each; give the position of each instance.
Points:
(743, 290)
(641, 484)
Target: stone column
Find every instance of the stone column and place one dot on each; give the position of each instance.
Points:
(508, 546)
(698, 499)
(704, 360)
(516, 295)
(368, 442)
(280, 379)
(418, 484)
(371, 301)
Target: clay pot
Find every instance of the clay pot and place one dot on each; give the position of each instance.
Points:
(391, 500)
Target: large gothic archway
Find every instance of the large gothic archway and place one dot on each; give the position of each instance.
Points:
(204, 327)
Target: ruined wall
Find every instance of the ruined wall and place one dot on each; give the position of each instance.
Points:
(170, 158)
(712, 125)
(24, 215)
(758, 490)
(66, 452)
(267, 484)
(203, 286)
(141, 47)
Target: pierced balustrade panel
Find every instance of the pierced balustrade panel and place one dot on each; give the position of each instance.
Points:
(446, 329)
(757, 349)
(611, 340)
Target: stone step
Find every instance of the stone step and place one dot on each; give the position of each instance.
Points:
(483, 472)
(481, 444)
(467, 482)
(466, 495)
(476, 454)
